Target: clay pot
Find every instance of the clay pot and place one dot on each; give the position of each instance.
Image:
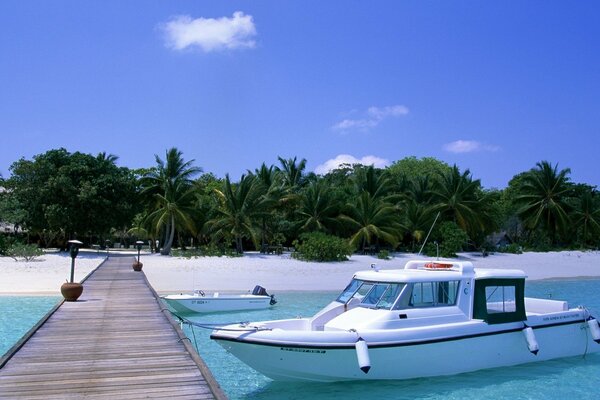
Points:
(71, 290)
(137, 266)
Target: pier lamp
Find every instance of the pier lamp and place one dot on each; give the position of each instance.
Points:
(107, 244)
(137, 265)
(72, 290)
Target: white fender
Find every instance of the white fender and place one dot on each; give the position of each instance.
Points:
(594, 329)
(362, 355)
(532, 343)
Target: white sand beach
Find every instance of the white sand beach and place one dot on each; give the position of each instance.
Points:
(276, 273)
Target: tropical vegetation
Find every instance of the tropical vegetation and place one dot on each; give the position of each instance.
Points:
(173, 204)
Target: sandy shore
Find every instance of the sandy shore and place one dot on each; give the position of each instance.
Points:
(276, 273)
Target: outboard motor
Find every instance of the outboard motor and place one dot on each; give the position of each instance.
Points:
(261, 291)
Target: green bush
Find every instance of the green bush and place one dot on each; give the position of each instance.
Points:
(512, 248)
(383, 255)
(205, 251)
(27, 252)
(452, 239)
(4, 244)
(317, 246)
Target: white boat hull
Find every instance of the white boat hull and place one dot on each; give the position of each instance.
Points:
(335, 359)
(188, 304)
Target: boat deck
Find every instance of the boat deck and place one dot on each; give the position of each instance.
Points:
(115, 342)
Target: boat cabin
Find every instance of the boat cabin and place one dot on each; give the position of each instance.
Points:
(447, 291)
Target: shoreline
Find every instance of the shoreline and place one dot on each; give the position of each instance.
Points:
(277, 273)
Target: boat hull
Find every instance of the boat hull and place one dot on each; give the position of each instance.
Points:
(405, 359)
(197, 304)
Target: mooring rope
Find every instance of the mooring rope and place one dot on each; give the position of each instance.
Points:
(243, 326)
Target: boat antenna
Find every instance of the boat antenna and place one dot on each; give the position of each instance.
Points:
(429, 233)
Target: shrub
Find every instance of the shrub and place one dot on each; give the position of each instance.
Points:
(27, 252)
(383, 255)
(4, 244)
(317, 246)
(512, 248)
(205, 251)
(451, 242)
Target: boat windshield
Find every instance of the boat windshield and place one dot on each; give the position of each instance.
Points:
(349, 291)
(371, 294)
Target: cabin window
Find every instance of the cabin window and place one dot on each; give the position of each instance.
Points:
(433, 294)
(390, 295)
(379, 295)
(375, 293)
(499, 300)
(349, 291)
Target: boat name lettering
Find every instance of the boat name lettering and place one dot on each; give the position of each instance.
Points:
(559, 317)
(303, 350)
(199, 302)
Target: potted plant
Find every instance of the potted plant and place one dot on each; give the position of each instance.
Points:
(72, 290)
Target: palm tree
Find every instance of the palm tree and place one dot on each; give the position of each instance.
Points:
(168, 189)
(543, 198)
(373, 181)
(372, 219)
(586, 215)
(318, 210)
(460, 199)
(292, 173)
(174, 211)
(271, 191)
(419, 213)
(239, 209)
(107, 158)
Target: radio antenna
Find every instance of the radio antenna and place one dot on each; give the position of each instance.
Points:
(429, 233)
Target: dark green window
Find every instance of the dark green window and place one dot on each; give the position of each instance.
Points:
(499, 300)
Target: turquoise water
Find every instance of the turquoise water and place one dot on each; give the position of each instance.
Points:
(19, 314)
(575, 377)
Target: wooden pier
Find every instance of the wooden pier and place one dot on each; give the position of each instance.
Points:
(115, 342)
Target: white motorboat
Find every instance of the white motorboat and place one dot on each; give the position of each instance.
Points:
(198, 302)
(428, 319)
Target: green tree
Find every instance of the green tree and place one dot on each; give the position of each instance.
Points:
(412, 168)
(319, 209)
(461, 200)
(586, 216)
(59, 191)
(371, 219)
(543, 199)
(292, 173)
(239, 208)
(170, 195)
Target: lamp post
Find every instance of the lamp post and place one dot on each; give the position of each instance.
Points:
(72, 290)
(137, 265)
(107, 244)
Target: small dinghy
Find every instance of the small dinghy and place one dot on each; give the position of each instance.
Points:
(199, 302)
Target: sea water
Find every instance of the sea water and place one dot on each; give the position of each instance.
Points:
(575, 377)
(18, 314)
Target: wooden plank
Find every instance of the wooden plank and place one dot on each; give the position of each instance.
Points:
(116, 342)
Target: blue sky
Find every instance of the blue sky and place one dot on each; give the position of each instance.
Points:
(491, 86)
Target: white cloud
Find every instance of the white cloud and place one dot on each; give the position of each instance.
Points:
(210, 34)
(389, 111)
(468, 146)
(341, 159)
(374, 115)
